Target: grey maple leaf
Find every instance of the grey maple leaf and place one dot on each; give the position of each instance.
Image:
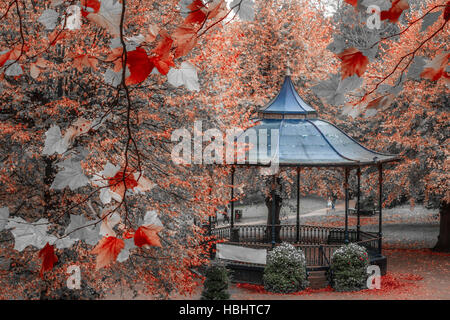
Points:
(71, 175)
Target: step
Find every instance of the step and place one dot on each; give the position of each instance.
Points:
(317, 279)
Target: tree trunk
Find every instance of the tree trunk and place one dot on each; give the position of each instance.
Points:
(278, 201)
(443, 244)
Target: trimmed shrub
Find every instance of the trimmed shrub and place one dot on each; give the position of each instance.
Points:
(216, 283)
(349, 268)
(285, 270)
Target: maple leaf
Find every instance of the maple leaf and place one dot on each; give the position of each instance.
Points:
(245, 9)
(186, 75)
(122, 180)
(379, 103)
(328, 89)
(54, 141)
(143, 184)
(162, 58)
(352, 2)
(435, 69)
(101, 179)
(49, 18)
(185, 38)
(71, 176)
(396, 10)
(89, 6)
(49, 258)
(125, 253)
(107, 251)
(36, 67)
(107, 15)
(429, 20)
(139, 66)
(84, 60)
(26, 234)
(353, 62)
(79, 127)
(151, 217)
(153, 31)
(147, 236)
(80, 229)
(196, 14)
(218, 9)
(4, 56)
(108, 223)
(4, 215)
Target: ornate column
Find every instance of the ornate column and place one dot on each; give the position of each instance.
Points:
(346, 171)
(298, 206)
(273, 191)
(380, 205)
(358, 204)
(234, 233)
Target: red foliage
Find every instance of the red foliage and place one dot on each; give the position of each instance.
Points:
(252, 287)
(92, 4)
(163, 59)
(185, 38)
(353, 62)
(447, 11)
(107, 250)
(47, 254)
(352, 2)
(396, 10)
(139, 65)
(117, 184)
(196, 14)
(147, 235)
(435, 70)
(260, 289)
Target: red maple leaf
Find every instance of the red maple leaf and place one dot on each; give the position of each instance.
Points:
(396, 10)
(185, 38)
(4, 57)
(163, 59)
(47, 254)
(435, 69)
(93, 5)
(147, 235)
(353, 62)
(381, 102)
(139, 66)
(117, 183)
(107, 250)
(352, 2)
(196, 14)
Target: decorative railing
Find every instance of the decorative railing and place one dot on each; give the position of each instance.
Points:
(318, 243)
(288, 233)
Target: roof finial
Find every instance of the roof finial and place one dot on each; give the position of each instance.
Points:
(288, 64)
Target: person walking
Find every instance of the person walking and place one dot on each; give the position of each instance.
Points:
(333, 201)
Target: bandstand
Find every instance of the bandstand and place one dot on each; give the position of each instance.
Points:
(303, 140)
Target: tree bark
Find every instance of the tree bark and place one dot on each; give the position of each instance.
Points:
(278, 201)
(443, 244)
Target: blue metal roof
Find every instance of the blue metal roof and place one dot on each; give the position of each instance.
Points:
(305, 142)
(290, 134)
(288, 101)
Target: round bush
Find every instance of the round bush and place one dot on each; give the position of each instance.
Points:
(349, 268)
(285, 270)
(216, 283)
